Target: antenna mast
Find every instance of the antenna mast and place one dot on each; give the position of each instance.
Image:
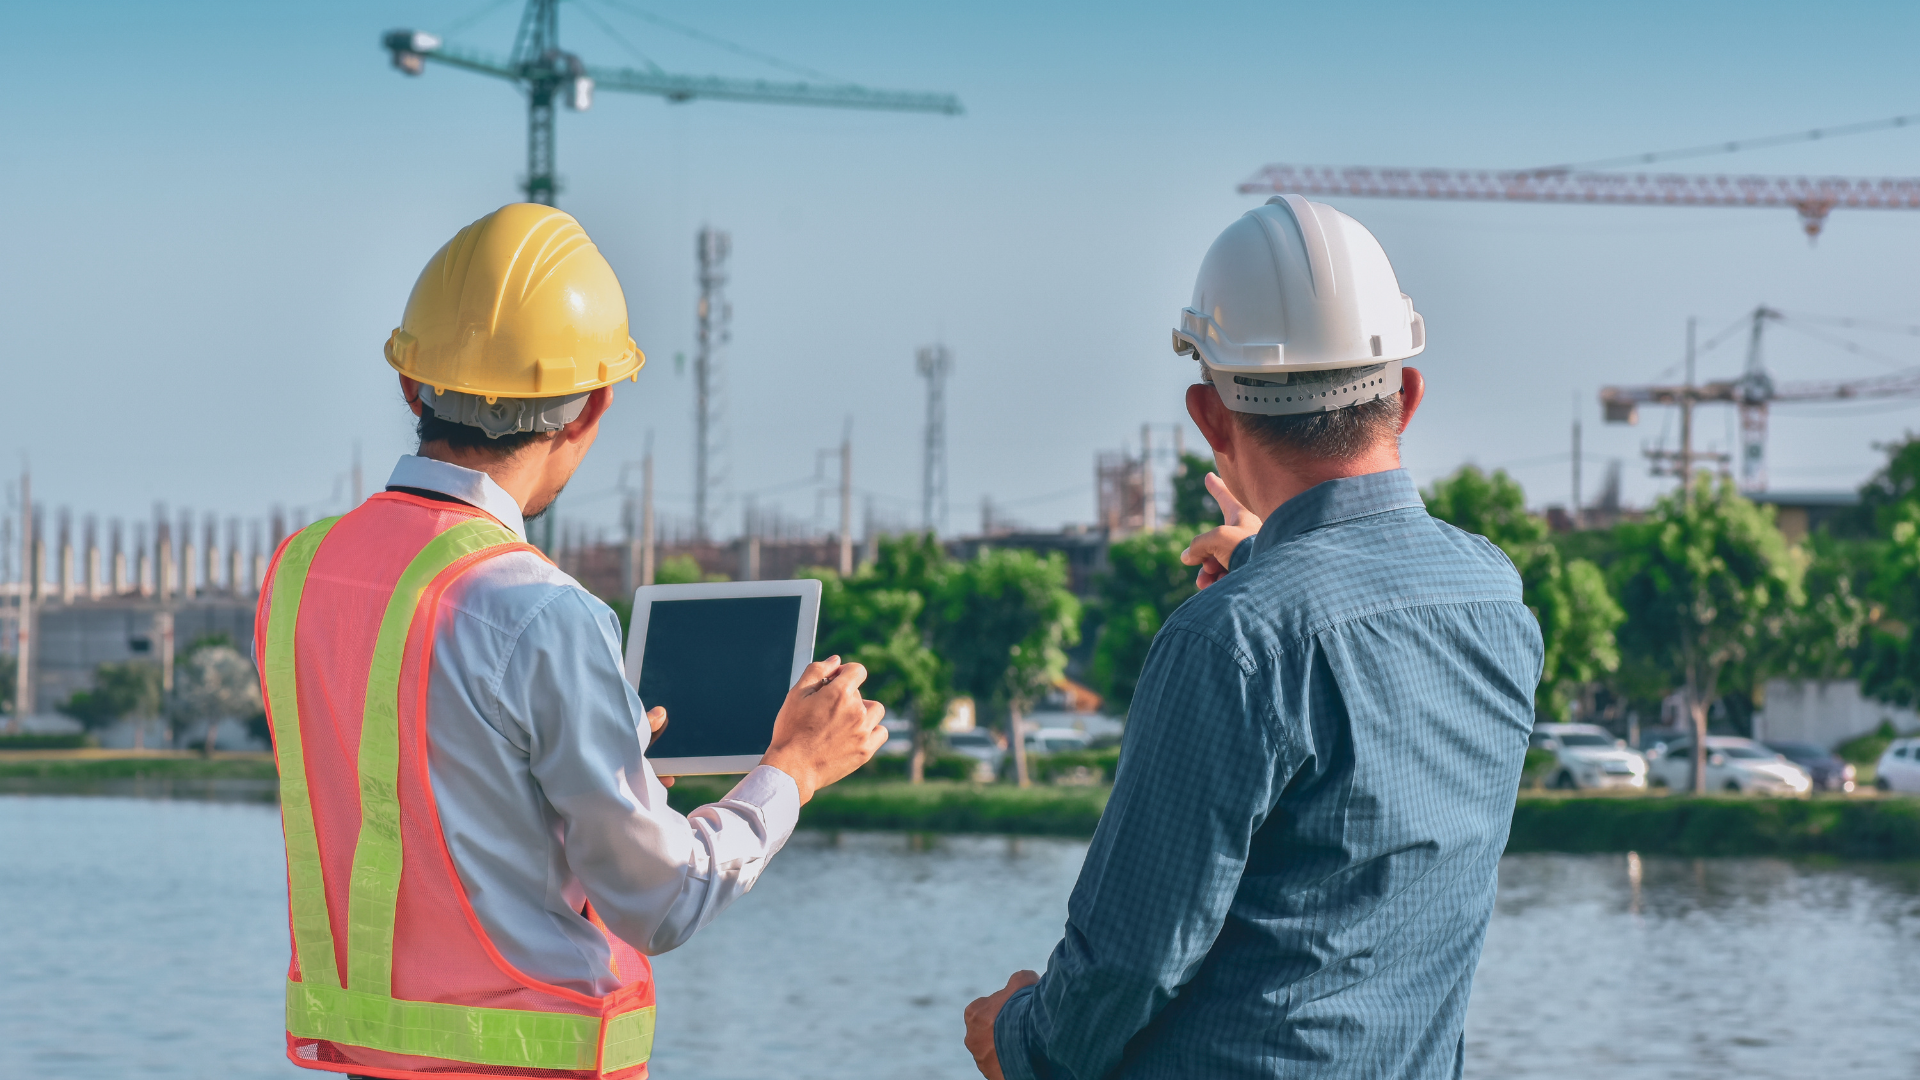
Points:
(714, 318)
(934, 363)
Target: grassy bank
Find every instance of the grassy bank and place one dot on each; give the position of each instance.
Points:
(93, 765)
(1686, 826)
(935, 806)
(1853, 828)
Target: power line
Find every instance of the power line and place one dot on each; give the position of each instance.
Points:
(719, 42)
(1737, 145)
(617, 36)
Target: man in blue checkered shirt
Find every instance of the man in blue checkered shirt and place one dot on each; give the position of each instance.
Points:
(1294, 874)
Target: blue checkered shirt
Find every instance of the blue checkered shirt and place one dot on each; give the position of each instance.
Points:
(1294, 875)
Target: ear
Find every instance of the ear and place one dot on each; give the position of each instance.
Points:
(1212, 417)
(1413, 388)
(587, 423)
(411, 391)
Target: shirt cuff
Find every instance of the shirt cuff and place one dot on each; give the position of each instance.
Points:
(1010, 1035)
(778, 798)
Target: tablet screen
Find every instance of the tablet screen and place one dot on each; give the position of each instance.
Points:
(722, 668)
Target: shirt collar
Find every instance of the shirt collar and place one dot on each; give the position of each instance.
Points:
(1333, 501)
(470, 486)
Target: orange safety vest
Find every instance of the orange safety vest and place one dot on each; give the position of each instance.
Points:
(392, 973)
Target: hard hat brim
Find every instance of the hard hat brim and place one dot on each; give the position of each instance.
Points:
(551, 378)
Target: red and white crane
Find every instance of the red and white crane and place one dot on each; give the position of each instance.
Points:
(1814, 197)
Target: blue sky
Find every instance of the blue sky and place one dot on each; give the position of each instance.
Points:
(218, 210)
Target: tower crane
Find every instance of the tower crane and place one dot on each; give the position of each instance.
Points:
(1752, 393)
(548, 73)
(1812, 196)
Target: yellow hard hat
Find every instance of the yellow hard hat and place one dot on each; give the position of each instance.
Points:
(519, 304)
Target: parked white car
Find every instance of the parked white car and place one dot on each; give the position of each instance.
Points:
(1055, 740)
(1589, 758)
(899, 738)
(1899, 768)
(1734, 765)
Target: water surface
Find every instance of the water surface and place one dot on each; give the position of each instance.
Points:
(147, 938)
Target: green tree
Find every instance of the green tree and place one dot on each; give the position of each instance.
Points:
(212, 682)
(1890, 653)
(1002, 621)
(880, 617)
(9, 678)
(1708, 584)
(120, 691)
(1144, 583)
(1192, 503)
(1577, 612)
(1892, 486)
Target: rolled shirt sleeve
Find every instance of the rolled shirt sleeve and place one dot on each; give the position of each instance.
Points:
(654, 876)
(1198, 775)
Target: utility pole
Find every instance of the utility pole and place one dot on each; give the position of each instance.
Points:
(1149, 505)
(934, 363)
(1686, 422)
(646, 516)
(357, 489)
(1576, 515)
(163, 570)
(713, 319)
(846, 500)
(23, 665)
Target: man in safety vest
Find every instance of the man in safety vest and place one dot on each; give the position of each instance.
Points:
(479, 857)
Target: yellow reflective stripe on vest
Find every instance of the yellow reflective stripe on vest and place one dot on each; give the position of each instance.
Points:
(306, 889)
(509, 1038)
(376, 854)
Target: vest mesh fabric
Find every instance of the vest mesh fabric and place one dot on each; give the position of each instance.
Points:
(403, 979)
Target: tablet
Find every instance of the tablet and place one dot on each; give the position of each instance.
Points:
(720, 657)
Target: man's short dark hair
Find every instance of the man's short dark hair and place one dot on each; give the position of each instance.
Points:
(1338, 435)
(431, 428)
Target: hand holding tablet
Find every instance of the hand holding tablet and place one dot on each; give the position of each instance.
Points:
(729, 663)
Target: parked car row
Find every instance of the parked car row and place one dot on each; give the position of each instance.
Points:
(1589, 758)
(985, 747)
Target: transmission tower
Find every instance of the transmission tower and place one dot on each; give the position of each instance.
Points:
(711, 333)
(934, 363)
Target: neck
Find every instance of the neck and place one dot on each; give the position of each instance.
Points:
(521, 475)
(1267, 482)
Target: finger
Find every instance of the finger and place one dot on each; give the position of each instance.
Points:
(666, 781)
(1230, 507)
(1213, 544)
(1021, 979)
(876, 739)
(816, 674)
(876, 712)
(850, 675)
(657, 719)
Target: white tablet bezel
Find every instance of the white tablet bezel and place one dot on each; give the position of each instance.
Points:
(807, 589)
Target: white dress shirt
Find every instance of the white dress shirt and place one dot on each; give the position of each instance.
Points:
(535, 746)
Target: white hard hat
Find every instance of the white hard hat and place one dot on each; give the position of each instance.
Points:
(1296, 310)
